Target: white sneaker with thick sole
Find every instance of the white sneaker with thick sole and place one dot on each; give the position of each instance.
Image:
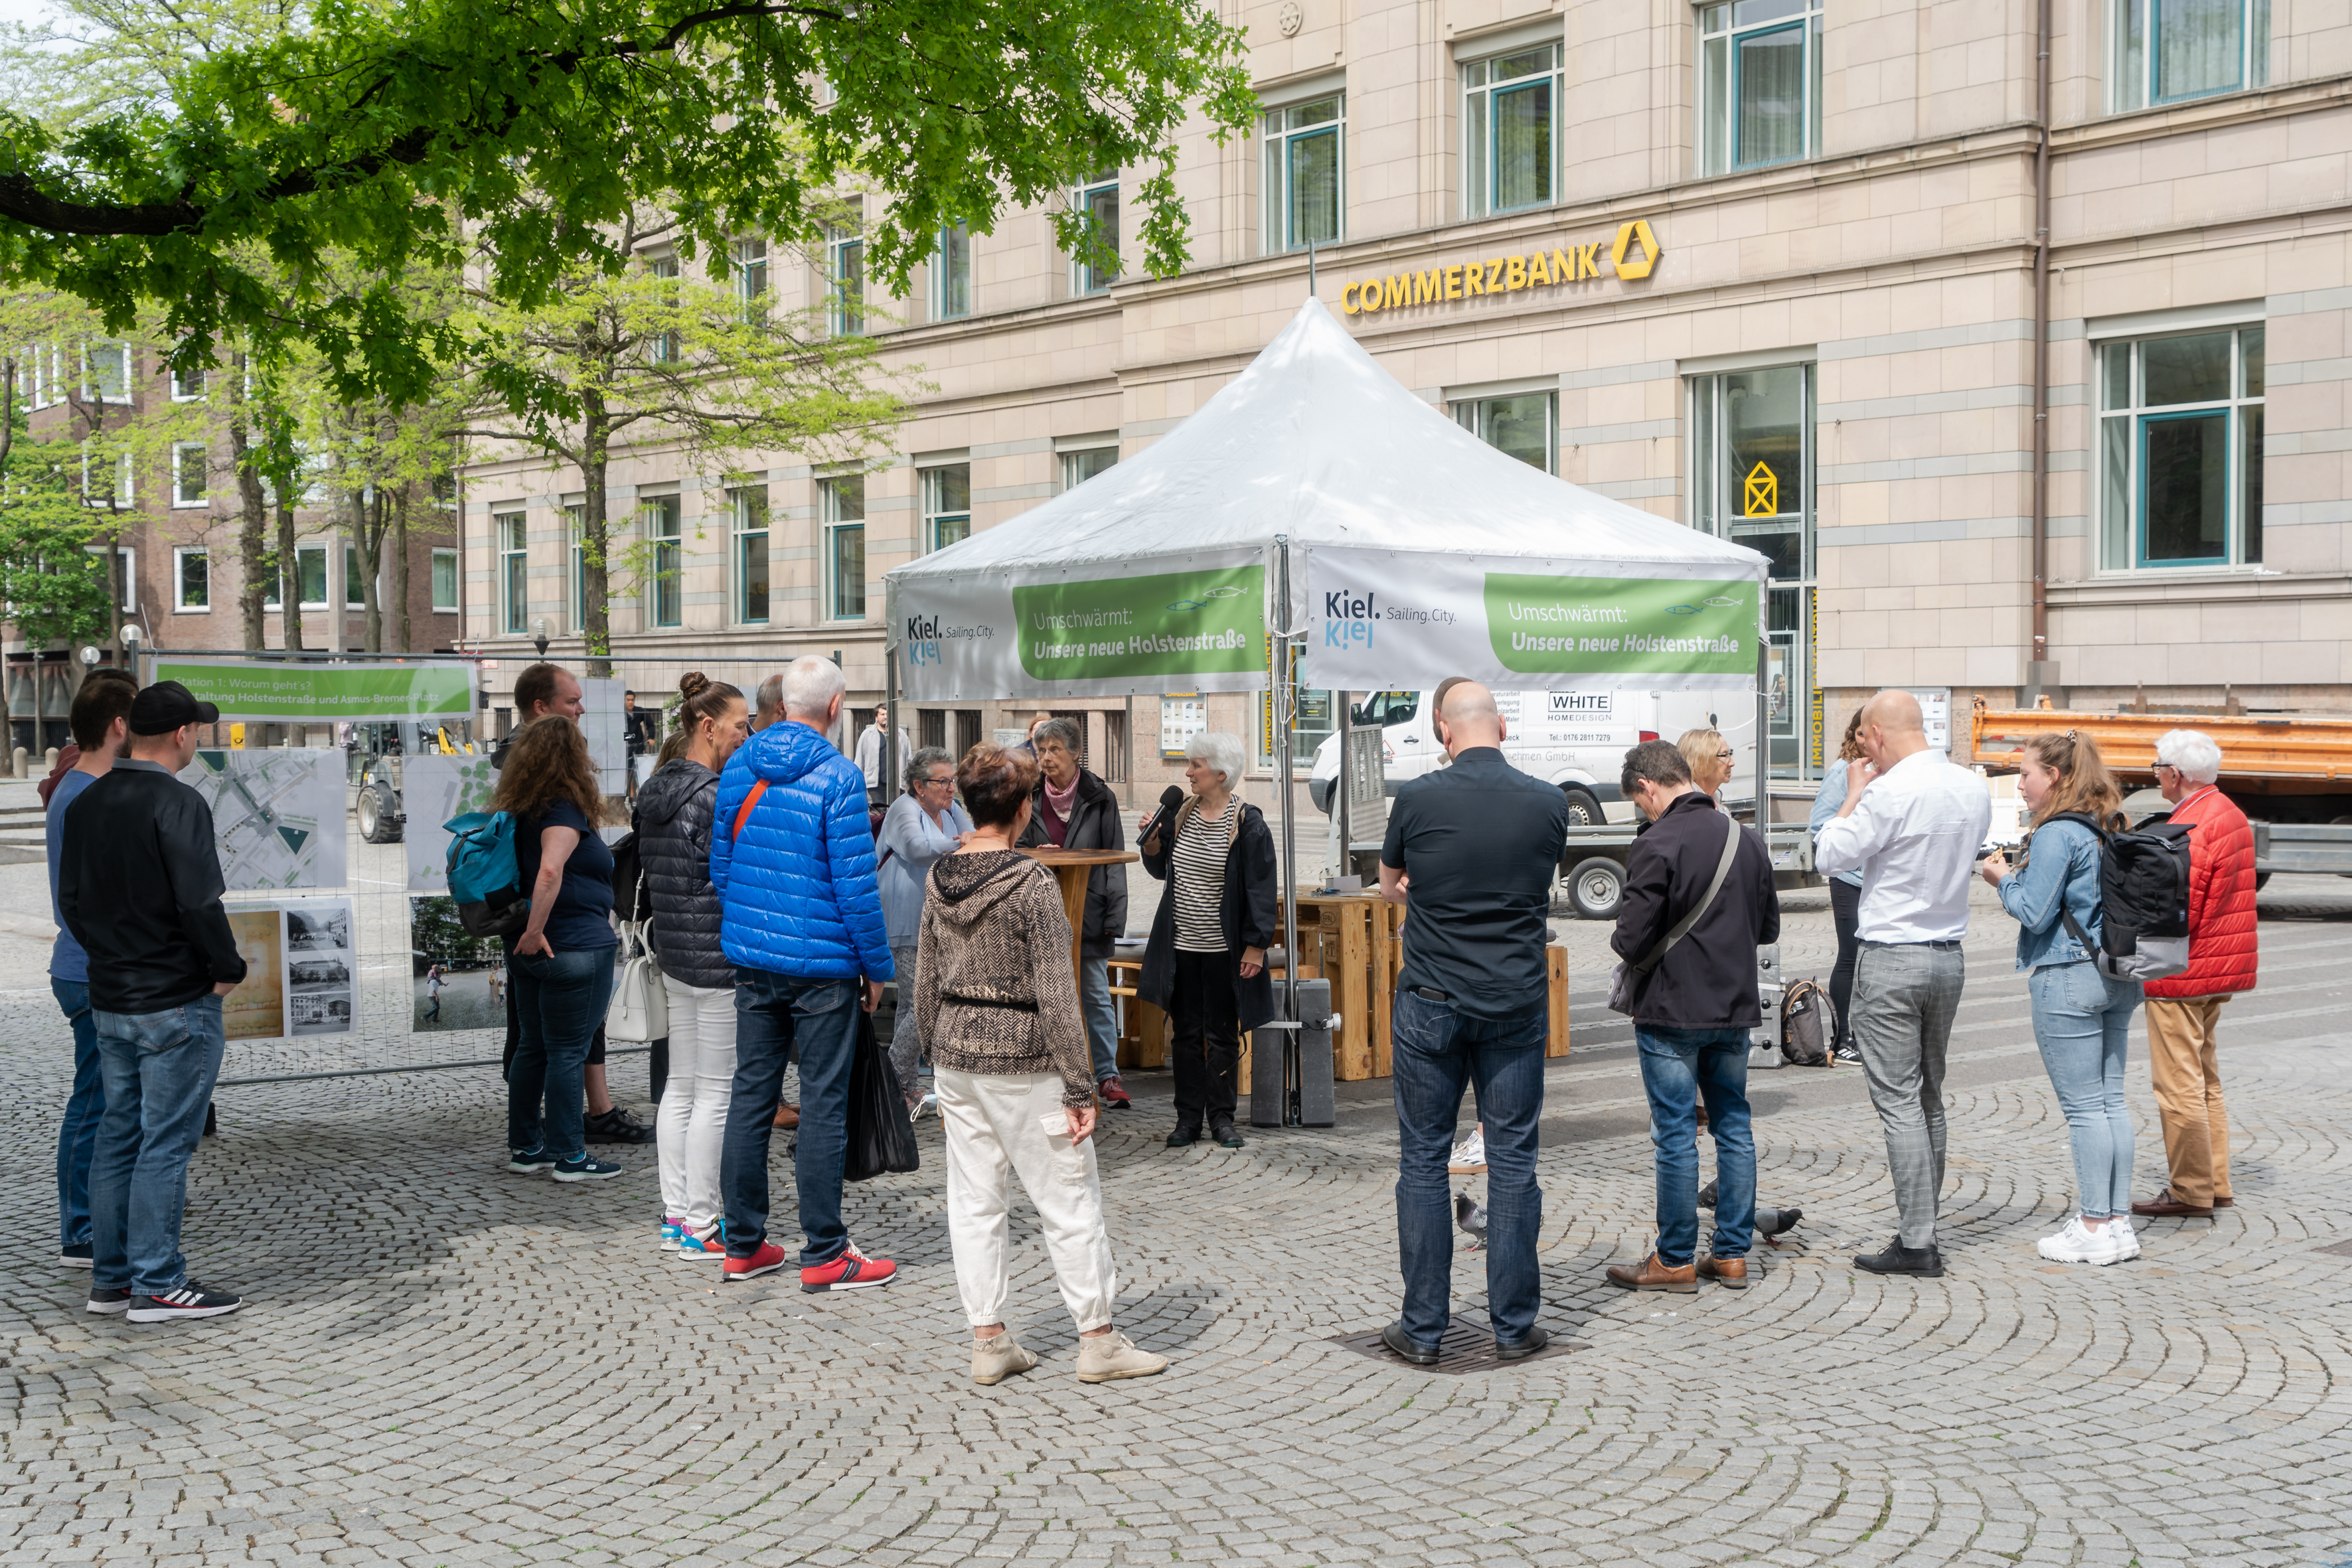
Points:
(2078, 1244)
(1469, 1157)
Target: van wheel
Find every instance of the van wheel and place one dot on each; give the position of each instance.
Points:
(1596, 888)
(1583, 811)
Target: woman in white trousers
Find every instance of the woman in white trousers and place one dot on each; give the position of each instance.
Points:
(998, 1005)
(674, 822)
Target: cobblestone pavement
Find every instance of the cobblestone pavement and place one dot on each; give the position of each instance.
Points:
(444, 1364)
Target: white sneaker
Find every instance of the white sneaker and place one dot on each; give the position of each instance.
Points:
(2125, 1238)
(1469, 1157)
(2078, 1244)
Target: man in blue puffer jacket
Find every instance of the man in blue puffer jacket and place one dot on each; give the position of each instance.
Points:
(800, 918)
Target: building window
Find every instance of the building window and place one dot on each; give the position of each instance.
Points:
(951, 274)
(44, 374)
(107, 484)
(665, 585)
(1305, 173)
(193, 579)
(1759, 83)
(947, 505)
(663, 348)
(355, 579)
(1751, 459)
(106, 371)
(188, 465)
(844, 282)
(445, 579)
(127, 560)
(188, 385)
(751, 259)
(2168, 51)
(2181, 450)
(1098, 199)
(1078, 468)
(514, 572)
(1523, 426)
(748, 510)
(843, 504)
(1511, 141)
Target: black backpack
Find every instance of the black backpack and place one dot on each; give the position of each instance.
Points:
(1809, 1025)
(2143, 900)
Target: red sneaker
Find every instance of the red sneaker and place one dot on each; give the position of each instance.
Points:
(1113, 1094)
(767, 1261)
(852, 1270)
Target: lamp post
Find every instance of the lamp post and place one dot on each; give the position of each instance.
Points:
(538, 635)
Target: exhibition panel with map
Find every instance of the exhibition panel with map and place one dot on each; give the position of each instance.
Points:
(279, 816)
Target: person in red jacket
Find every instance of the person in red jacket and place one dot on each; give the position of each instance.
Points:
(2184, 1010)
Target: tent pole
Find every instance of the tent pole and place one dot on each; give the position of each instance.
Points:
(1763, 741)
(1285, 878)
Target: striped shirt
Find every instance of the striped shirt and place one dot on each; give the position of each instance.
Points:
(1196, 880)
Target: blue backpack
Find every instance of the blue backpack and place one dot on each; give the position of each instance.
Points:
(484, 881)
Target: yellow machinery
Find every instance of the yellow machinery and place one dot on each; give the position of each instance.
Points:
(2262, 753)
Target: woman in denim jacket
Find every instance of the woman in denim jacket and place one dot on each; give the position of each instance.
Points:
(2082, 1019)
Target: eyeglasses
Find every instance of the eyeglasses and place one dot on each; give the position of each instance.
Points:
(949, 780)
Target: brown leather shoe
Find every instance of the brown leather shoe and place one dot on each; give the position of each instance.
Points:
(2225, 1203)
(1731, 1273)
(2164, 1205)
(788, 1116)
(1653, 1275)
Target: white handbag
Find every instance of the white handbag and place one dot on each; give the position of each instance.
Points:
(640, 1011)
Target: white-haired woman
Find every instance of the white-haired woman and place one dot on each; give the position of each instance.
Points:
(1206, 962)
(924, 824)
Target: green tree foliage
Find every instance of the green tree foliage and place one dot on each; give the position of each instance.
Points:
(401, 133)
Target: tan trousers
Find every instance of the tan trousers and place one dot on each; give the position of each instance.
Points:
(2187, 1085)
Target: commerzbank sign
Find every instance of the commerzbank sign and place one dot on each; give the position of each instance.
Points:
(1631, 254)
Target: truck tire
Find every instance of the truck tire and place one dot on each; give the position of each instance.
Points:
(1596, 888)
(2261, 878)
(1583, 810)
(378, 822)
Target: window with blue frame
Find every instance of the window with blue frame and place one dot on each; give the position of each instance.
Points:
(514, 572)
(844, 281)
(951, 274)
(665, 564)
(1305, 173)
(1510, 132)
(2181, 450)
(2168, 51)
(1759, 83)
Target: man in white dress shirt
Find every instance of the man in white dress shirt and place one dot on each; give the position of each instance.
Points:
(1911, 824)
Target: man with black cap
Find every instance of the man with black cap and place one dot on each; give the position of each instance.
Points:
(139, 886)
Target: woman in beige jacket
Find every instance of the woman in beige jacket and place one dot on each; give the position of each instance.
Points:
(997, 1004)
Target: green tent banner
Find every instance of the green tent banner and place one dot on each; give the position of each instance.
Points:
(271, 692)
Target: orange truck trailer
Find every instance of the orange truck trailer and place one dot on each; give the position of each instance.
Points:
(2291, 773)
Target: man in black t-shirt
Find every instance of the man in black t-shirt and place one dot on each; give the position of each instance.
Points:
(1470, 853)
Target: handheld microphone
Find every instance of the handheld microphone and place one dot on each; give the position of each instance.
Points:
(1170, 799)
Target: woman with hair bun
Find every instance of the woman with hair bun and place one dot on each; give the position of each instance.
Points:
(674, 820)
(2081, 1019)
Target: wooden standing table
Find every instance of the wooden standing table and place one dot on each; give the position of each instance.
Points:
(1071, 868)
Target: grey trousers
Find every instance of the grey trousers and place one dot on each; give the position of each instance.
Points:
(1903, 998)
(906, 1039)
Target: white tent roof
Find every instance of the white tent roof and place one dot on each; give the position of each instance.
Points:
(1315, 440)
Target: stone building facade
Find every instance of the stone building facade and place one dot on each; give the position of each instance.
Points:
(1762, 267)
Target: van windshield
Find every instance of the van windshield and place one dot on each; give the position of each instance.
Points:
(1385, 708)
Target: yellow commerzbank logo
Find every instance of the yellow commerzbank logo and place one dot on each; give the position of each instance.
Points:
(1636, 252)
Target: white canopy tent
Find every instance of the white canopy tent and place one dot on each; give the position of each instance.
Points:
(1316, 500)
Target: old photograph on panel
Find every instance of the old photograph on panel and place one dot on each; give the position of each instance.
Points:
(456, 981)
(256, 1010)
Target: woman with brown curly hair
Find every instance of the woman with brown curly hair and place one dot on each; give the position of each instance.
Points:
(562, 961)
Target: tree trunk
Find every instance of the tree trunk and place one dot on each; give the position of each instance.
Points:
(7, 406)
(290, 572)
(114, 586)
(397, 572)
(595, 554)
(253, 559)
(367, 540)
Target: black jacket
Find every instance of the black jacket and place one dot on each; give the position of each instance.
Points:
(1095, 823)
(1248, 911)
(674, 811)
(138, 884)
(1708, 981)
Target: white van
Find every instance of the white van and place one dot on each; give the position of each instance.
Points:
(1576, 740)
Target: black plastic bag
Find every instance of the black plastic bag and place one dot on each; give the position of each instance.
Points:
(881, 1135)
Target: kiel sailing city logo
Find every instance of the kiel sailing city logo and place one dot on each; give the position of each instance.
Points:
(1347, 620)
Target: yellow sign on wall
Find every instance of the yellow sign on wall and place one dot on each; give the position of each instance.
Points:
(1763, 498)
(1633, 257)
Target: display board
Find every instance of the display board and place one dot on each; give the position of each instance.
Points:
(301, 970)
(1183, 715)
(606, 725)
(457, 981)
(277, 815)
(286, 691)
(433, 789)
(1935, 714)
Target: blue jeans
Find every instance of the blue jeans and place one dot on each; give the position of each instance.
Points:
(1438, 1051)
(1101, 1009)
(1677, 1066)
(77, 1134)
(777, 1017)
(560, 1003)
(2082, 1020)
(160, 1068)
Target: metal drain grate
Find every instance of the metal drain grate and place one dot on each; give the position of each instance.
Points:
(1461, 1349)
(2339, 1249)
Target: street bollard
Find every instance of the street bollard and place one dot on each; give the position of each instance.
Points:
(17, 767)
(1317, 1104)
(51, 765)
